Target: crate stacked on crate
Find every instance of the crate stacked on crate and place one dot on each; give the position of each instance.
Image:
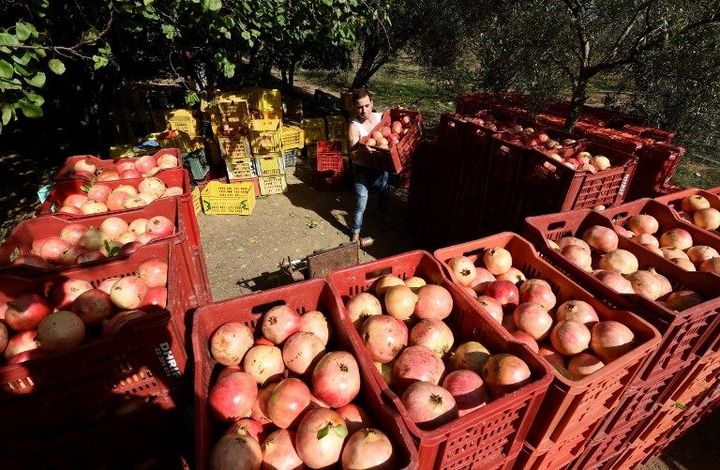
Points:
(337, 130)
(686, 329)
(490, 436)
(104, 354)
(314, 130)
(330, 166)
(303, 300)
(266, 144)
(293, 141)
(393, 141)
(574, 406)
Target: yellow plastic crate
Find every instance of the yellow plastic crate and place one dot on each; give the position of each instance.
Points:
(337, 128)
(228, 199)
(241, 168)
(236, 147)
(293, 137)
(182, 120)
(233, 110)
(314, 130)
(272, 185)
(265, 136)
(267, 101)
(273, 165)
(197, 207)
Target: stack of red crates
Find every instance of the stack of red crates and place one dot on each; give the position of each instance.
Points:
(330, 165)
(127, 390)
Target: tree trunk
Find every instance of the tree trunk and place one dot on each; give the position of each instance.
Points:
(283, 75)
(371, 51)
(579, 97)
(291, 74)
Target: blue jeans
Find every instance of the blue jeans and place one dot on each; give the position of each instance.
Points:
(367, 179)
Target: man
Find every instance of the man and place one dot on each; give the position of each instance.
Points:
(366, 179)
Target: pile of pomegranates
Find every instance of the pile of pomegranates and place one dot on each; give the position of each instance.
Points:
(100, 198)
(568, 333)
(76, 310)
(77, 243)
(403, 326)
(697, 210)
(597, 253)
(675, 244)
(288, 400)
(125, 168)
(388, 136)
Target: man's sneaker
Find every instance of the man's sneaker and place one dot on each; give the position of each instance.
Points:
(355, 237)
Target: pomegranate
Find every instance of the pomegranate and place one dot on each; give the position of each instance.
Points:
(434, 335)
(611, 339)
(491, 307)
(470, 355)
(264, 363)
(578, 311)
(72, 233)
(497, 260)
(621, 261)
(467, 388)
(116, 200)
(553, 245)
(232, 397)
(4, 336)
(646, 239)
(624, 232)
(32, 260)
(76, 200)
(20, 343)
(643, 224)
(160, 226)
(686, 264)
(570, 337)
(600, 162)
(138, 226)
(147, 198)
(647, 284)
(99, 193)
(279, 452)
(288, 401)
(701, 253)
(92, 239)
(279, 323)
(129, 292)
(504, 292)
(368, 448)
(125, 238)
(50, 248)
(387, 282)
(384, 337)
(230, 342)
(108, 175)
(93, 306)
(555, 359)
(247, 427)
(301, 351)
(124, 165)
(361, 307)
(676, 238)
(433, 302)
(155, 297)
(505, 373)
(711, 266)
(415, 283)
(167, 161)
(513, 275)
(130, 174)
(429, 405)
(400, 302)
(112, 227)
(315, 323)
(694, 203)
(577, 256)
(65, 294)
(106, 284)
(671, 253)
(145, 163)
(126, 188)
(682, 300)
(60, 331)
(85, 164)
(601, 238)
(26, 312)
(708, 218)
(417, 363)
(523, 337)
(533, 319)
(584, 364)
(336, 379)
(539, 292)
(319, 438)
(508, 323)
(234, 451)
(71, 255)
(227, 370)
(134, 203)
(482, 278)
(572, 241)
(464, 269)
(355, 417)
(154, 272)
(259, 410)
(69, 210)
(614, 281)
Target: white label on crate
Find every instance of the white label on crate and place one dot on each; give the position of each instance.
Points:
(623, 184)
(167, 359)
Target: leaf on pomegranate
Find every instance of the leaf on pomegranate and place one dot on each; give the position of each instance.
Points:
(85, 188)
(340, 431)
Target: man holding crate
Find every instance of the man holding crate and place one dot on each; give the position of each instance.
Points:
(366, 179)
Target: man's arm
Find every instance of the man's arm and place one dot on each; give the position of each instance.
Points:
(353, 135)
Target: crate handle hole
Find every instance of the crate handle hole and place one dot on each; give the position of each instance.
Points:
(557, 225)
(262, 308)
(378, 273)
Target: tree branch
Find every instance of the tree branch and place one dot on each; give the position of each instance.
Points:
(629, 27)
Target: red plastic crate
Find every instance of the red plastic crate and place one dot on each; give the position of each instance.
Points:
(558, 456)
(20, 240)
(660, 135)
(682, 332)
(657, 163)
(674, 202)
(152, 433)
(666, 218)
(67, 170)
(301, 297)
(604, 449)
(570, 406)
(330, 156)
(490, 436)
(394, 159)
